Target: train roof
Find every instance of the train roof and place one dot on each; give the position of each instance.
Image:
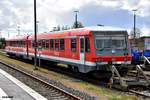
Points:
(72, 32)
(24, 37)
(76, 32)
(104, 28)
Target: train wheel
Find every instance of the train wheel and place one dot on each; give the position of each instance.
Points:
(73, 68)
(76, 69)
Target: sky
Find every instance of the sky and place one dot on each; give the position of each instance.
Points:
(51, 13)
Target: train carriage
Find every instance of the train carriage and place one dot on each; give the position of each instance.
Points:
(85, 49)
(17, 46)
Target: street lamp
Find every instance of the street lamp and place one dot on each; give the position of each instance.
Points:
(18, 30)
(76, 18)
(35, 37)
(37, 22)
(134, 10)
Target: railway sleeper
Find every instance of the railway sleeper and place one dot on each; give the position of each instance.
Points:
(125, 84)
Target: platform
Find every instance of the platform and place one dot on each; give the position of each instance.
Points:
(13, 89)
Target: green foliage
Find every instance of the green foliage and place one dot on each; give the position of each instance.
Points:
(137, 33)
(79, 25)
(2, 43)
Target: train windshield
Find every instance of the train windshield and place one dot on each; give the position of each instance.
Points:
(110, 42)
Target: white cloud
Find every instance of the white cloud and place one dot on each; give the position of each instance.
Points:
(145, 31)
(143, 6)
(50, 13)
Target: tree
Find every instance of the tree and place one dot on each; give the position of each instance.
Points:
(137, 33)
(2, 43)
(79, 25)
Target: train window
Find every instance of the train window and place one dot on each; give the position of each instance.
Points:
(39, 43)
(12, 43)
(56, 44)
(62, 44)
(43, 44)
(16, 43)
(20, 44)
(51, 44)
(81, 45)
(7, 43)
(118, 43)
(24, 43)
(87, 44)
(33, 44)
(73, 45)
(47, 44)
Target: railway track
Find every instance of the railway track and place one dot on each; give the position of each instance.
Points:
(141, 93)
(133, 73)
(144, 94)
(48, 90)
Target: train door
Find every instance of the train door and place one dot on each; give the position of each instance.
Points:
(82, 51)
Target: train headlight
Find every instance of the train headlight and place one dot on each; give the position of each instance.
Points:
(113, 59)
(126, 59)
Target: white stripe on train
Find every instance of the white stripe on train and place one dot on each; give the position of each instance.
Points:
(88, 63)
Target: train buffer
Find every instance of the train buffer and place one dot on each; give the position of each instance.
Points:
(126, 83)
(146, 60)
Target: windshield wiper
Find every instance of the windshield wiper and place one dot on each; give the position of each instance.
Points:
(100, 49)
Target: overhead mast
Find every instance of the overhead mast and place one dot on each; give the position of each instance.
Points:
(35, 37)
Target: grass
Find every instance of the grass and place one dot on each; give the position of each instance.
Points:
(99, 92)
(110, 94)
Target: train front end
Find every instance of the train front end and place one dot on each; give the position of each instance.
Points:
(112, 48)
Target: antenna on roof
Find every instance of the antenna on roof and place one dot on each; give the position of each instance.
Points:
(100, 25)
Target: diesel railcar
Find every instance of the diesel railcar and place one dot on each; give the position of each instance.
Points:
(84, 49)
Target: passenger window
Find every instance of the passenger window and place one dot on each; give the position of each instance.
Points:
(47, 44)
(51, 44)
(43, 44)
(39, 43)
(73, 45)
(82, 45)
(17, 44)
(23, 43)
(87, 44)
(62, 45)
(56, 44)
(33, 44)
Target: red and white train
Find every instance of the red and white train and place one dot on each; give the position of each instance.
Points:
(84, 49)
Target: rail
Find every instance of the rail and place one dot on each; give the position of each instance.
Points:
(145, 60)
(140, 71)
(61, 91)
(142, 93)
(115, 71)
